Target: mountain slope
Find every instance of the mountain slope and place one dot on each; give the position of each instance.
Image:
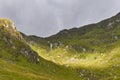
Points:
(92, 50)
(100, 37)
(19, 62)
(12, 42)
(103, 34)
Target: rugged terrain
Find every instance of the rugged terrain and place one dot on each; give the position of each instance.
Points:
(91, 52)
(19, 62)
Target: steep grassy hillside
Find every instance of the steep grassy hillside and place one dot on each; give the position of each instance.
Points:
(91, 52)
(19, 62)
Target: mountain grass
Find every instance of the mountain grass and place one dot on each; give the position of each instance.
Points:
(21, 69)
(19, 62)
(89, 66)
(91, 52)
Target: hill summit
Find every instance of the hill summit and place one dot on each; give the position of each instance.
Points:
(12, 42)
(5, 22)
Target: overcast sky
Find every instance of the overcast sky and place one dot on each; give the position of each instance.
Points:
(47, 17)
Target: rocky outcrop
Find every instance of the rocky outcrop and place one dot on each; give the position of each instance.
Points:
(30, 55)
(12, 41)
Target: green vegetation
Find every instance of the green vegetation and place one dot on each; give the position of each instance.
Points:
(91, 52)
(90, 49)
(19, 62)
(23, 70)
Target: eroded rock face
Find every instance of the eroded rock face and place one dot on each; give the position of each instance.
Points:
(30, 55)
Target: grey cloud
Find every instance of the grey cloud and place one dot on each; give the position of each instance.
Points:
(47, 17)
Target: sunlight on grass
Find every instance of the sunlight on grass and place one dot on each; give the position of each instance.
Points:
(90, 66)
(67, 58)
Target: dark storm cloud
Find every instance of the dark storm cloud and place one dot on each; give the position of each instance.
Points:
(46, 17)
